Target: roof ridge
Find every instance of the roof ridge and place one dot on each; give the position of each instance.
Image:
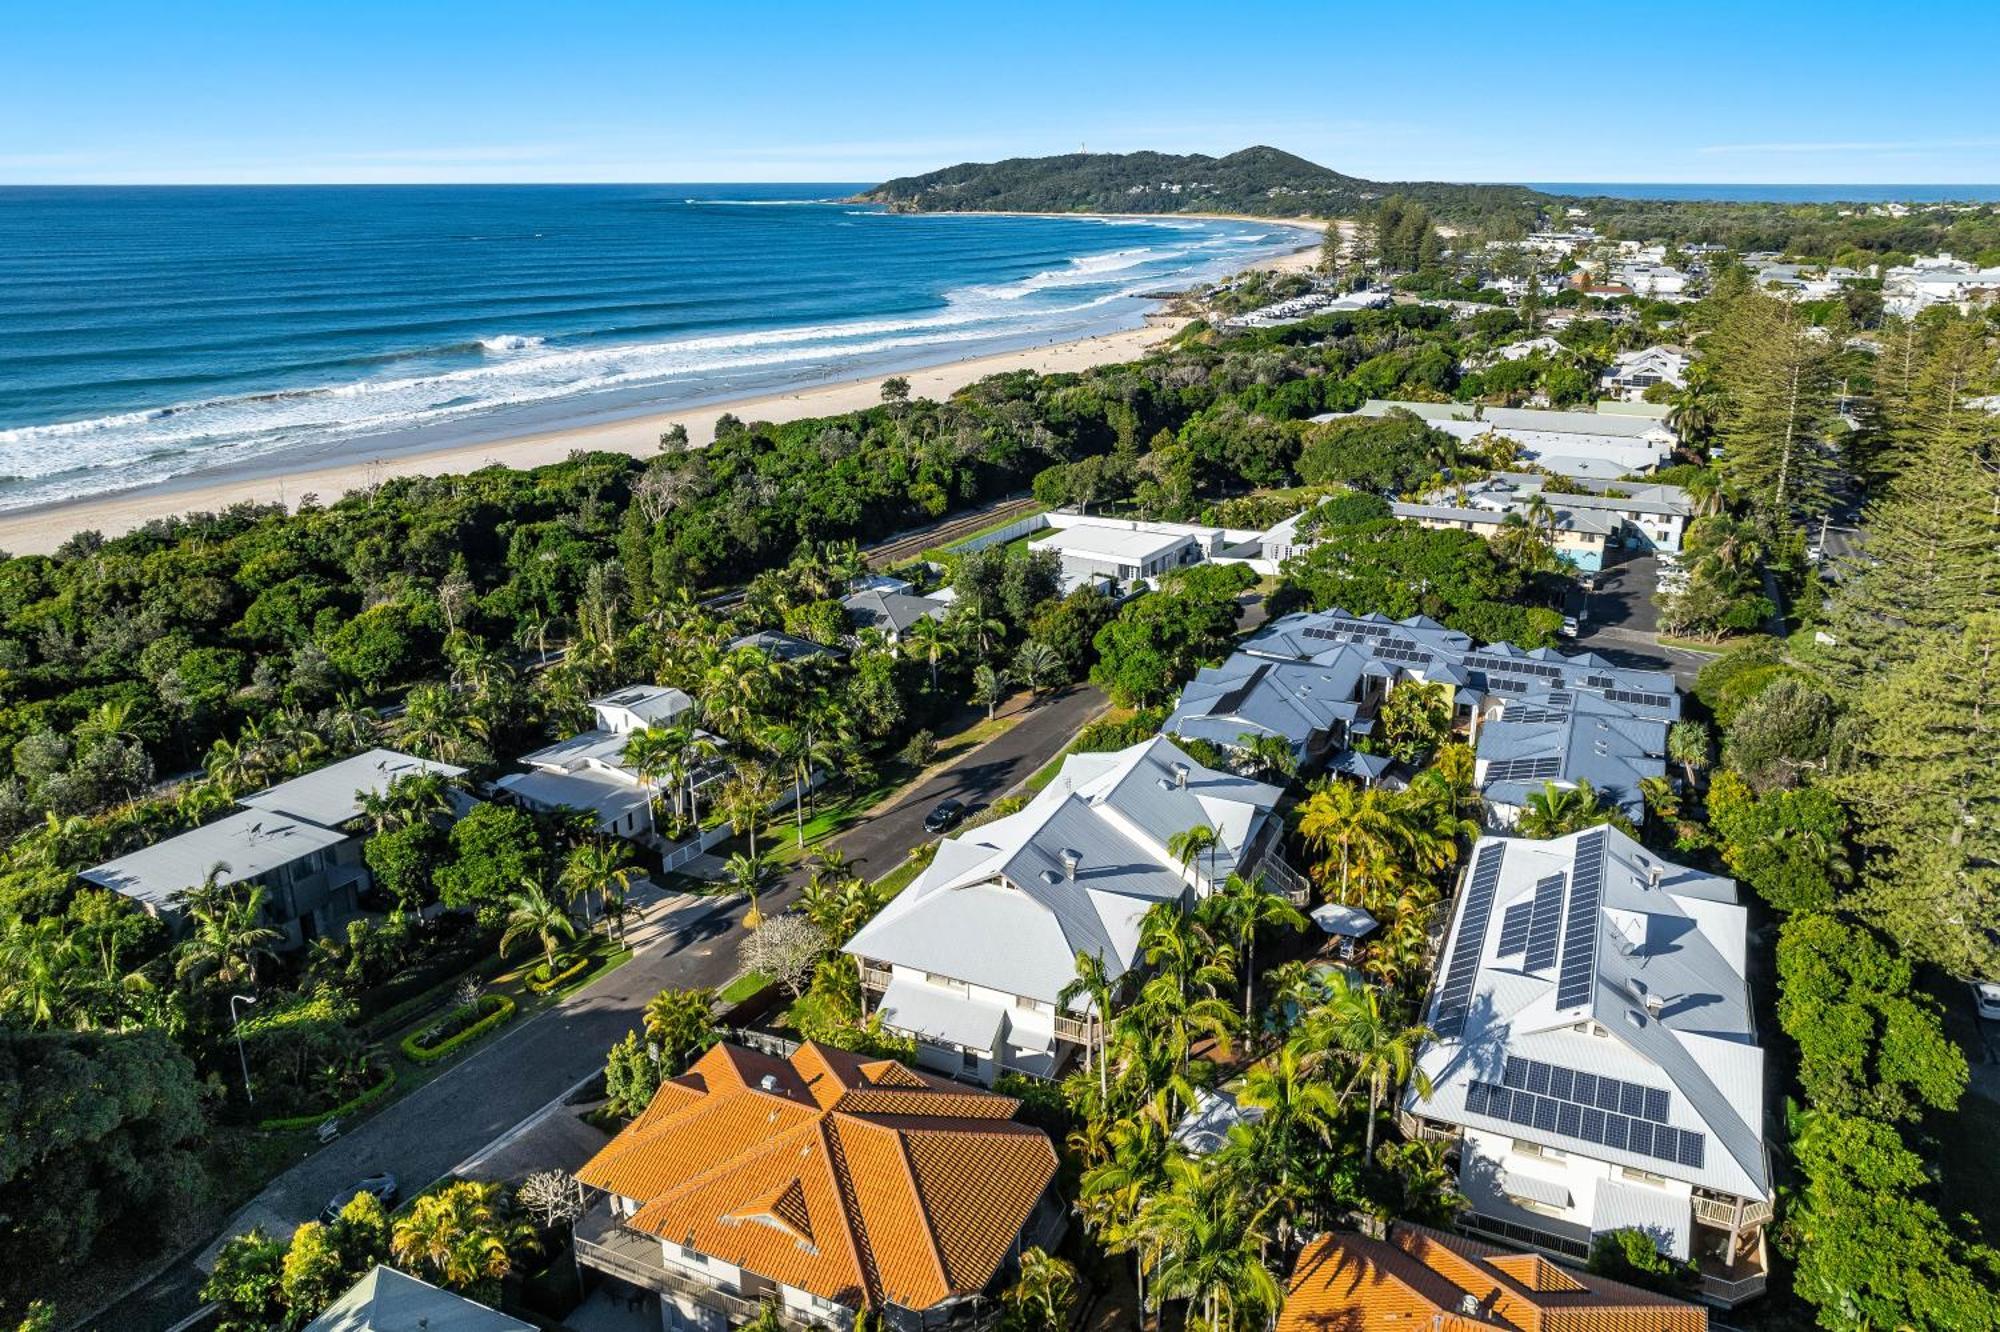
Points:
(859, 1249)
(923, 1204)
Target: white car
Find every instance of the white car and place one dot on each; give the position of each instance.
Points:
(1986, 998)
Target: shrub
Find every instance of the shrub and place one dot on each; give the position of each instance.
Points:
(457, 1029)
(341, 1111)
(540, 981)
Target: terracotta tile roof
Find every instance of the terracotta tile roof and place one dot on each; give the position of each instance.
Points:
(857, 1180)
(1353, 1283)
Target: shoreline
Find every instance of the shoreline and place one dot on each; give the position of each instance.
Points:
(42, 529)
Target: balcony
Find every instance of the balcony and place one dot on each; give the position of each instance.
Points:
(1075, 1030)
(1280, 877)
(875, 976)
(1730, 1280)
(607, 1246)
(1721, 1212)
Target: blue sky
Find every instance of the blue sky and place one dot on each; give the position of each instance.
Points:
(444, 90)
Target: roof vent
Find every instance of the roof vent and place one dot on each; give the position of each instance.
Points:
(1180, 772)
(1071, 859)
(1468, 1305)
(1653, 876)
(769, 1082)
(1636, 1018)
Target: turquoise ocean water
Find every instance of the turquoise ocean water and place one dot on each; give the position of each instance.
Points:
(147, 333)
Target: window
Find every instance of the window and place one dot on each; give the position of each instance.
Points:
(693, 1256)
(1642, 1176)
(1522, 1147)
(1033, 1005)
(947, 983)
(1531, 1205)
(970, 1059)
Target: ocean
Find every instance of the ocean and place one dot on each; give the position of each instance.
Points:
(1798, 194)
(148, 333)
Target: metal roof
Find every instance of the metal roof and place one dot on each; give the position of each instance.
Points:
(586, 789)
(891, 611)
(1296, 700)
(247, 844)
(650, 703)
(1567, 738)
(331, 796)
(1654, 954)
(386, 1300)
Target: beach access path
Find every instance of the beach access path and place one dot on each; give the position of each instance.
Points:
(41, 530)
(683, 942)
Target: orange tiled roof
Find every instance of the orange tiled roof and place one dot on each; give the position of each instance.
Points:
(1356, 1284)
(855, 1179)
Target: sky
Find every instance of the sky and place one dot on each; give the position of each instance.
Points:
(199, 91)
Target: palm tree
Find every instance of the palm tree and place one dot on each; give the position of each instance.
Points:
(1688, 745)
(411, 799)
(533, 914)
(1092, 982)
(1044, 1293)
(1696, 407)
(1353, 1027)
(1363, 824)
(929, 640)
(748, 797)
(989, 687)
(840, 906)
(35, 962)
(736, 691)
(233, 763)
(1242, 908)
(1295, 1103)
(596, 866)
(435, 725)
(1557, 811)
(803, 749)
(1212, 1234)
(350, 723)
(1268, 756)
(1196, 843)
(749, 874)
(462, 1234)
(225, 939)
(1034, 662)
(650, 754)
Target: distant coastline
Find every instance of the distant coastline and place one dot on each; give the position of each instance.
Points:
(1720, 192)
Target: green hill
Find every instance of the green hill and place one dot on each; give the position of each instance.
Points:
(1261, 181)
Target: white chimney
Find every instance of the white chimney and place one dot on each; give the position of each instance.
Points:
(1180, 771)
(769, 1082)
(1071, 859)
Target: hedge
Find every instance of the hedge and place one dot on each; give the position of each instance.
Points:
(539, 982)
(365, 1099)
(502, 1008)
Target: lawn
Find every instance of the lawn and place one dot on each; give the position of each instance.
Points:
(749, 983)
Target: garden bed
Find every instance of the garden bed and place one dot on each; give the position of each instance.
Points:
(541, 980)
(458, 1029)
(353, 1104)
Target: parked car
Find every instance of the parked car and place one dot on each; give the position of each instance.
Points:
(383, 1186)
(1569, 626)
(944, 815)
(1986, 998)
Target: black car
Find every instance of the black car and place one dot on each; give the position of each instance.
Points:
(943, 815)
(383, 1186)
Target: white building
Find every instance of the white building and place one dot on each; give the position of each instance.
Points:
(1599, 445)
(301, 841)
(1641, 515)
(1633, 372)
(1938, 280)
(587, 772)
(1122, 553)
(972, 958)
(1596, 1056)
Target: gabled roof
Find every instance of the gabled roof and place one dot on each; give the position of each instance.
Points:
(386, 1300)
(857, 1180)
(1422, 648)
(1567, 738)
(781, 646)
(891, 612)
(331, 796)
(1423, 1278)
(246, 844)
(1295, 700)
(650, 703)
(1001, 906)
(1592, 957)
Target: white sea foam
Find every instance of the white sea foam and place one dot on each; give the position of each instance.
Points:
(518, 370)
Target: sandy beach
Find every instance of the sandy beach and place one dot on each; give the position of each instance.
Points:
(41, 531)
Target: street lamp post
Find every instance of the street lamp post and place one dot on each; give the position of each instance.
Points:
(236, 1025)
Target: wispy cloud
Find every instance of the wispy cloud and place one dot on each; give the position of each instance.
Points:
(1851, 146)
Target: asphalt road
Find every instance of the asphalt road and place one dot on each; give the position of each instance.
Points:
(450, 1118)
(1620, 623)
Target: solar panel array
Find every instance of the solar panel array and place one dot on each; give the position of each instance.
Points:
(1514, 714)
(1514, 666)
(1542, 924)
(1579, 944)
(1576, 1104)
(1514, 923)
(1524, 769)
(1643, 700)
(1455, 995)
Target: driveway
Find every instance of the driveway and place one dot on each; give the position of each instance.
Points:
(1620, 623)
(688, 941)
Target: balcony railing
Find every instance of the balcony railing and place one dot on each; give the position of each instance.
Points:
(602, 1243)
(1281, 878)
(1721, 1212)
(1075, 1030)
(875, 976)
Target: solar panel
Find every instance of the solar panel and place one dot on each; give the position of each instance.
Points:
(1579, 941)
(1643, 700)
(1541, 954)
(1524, 769)
(1455, 995)
(1576, 1119)
(1514, 928)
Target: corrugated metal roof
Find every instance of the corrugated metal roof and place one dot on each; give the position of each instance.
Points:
(248, 844)
(331, 796)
